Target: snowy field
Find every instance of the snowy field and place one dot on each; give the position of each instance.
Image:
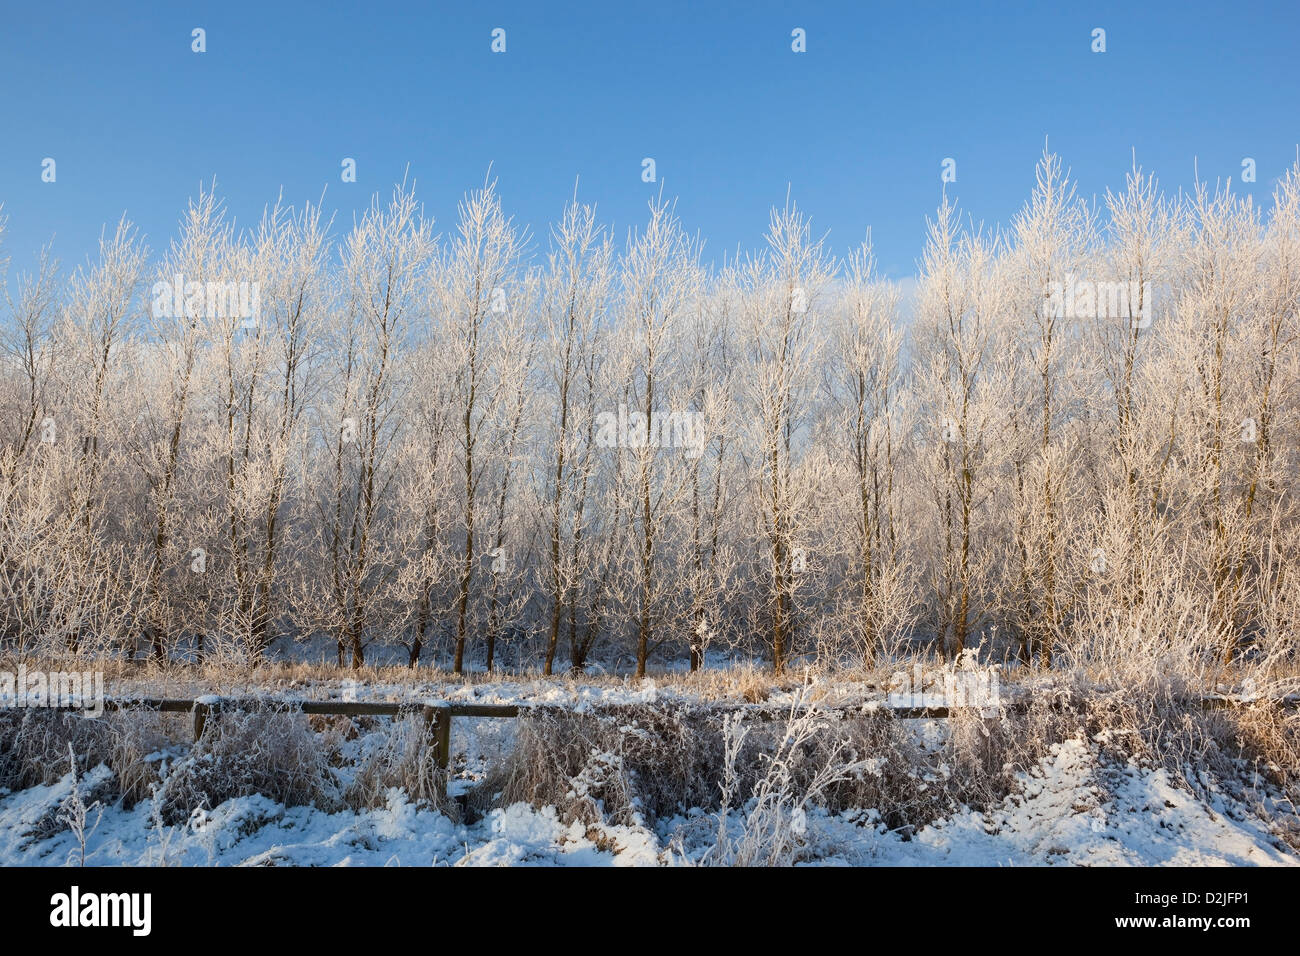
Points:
(1068, 814)
(1072, 808)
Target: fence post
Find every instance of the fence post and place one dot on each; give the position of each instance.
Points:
(200, 718)
(437, 721)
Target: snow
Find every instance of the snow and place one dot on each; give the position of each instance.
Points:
(256, 831)
(1069, 810)
(1065, 814)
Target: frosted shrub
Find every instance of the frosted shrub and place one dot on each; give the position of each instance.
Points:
(271, 751)
(623, 765)
(797, 776)
(34, 745)
(404, 758)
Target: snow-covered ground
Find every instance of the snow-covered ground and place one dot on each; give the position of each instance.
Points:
(1068, 811)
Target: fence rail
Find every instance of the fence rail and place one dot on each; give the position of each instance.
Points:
(437, 715)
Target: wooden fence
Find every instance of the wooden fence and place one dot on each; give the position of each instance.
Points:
(438, 715)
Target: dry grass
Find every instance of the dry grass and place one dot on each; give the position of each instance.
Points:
(622, 766)
(34, 747)
(404, 758)
(270, 751)
(637, 764)
(743, 682)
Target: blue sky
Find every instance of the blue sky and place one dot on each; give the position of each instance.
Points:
(857, 126)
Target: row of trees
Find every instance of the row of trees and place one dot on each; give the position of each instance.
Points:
(1079, 431)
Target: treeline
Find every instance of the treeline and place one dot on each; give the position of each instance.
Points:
(1075, 438)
